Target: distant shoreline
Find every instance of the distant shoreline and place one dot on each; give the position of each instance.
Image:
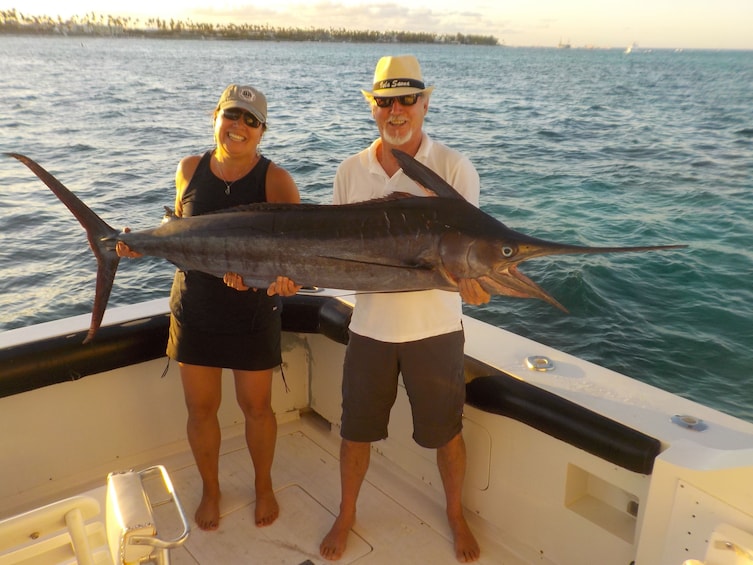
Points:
(13, 22)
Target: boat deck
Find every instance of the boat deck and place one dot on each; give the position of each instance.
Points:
(400, 520)
(547, 483)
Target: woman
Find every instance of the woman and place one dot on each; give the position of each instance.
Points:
(216, 323)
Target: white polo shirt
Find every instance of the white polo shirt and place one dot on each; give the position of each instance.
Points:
(399, 317)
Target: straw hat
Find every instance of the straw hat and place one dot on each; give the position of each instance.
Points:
(397, 76)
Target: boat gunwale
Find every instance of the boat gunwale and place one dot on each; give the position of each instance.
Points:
(62, 358)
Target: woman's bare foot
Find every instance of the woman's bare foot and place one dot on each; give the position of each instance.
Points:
(208, 513)
(467, 549)
(334, 543)
(267, 509)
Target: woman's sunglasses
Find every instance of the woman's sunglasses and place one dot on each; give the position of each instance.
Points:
(405, 100)
(235, 114)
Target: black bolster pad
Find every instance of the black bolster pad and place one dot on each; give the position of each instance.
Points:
(328, 316)
(565, 420)
(64, 358)
(334, 319)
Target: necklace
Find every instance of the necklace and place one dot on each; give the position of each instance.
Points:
(228, 185)
(222, 178)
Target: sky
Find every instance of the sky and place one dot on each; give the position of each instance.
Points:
(686, 24)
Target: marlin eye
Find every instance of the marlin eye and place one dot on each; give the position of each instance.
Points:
(508, 251)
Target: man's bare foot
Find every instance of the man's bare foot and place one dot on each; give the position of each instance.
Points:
(467, 549)
(334, 543)
(208, 513)
(267, 509)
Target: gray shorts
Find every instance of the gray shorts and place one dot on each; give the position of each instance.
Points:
(434, 379)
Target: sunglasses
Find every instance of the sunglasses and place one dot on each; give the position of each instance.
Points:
(235, 114)
(405, 100)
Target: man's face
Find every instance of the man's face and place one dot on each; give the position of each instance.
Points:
(398, 121)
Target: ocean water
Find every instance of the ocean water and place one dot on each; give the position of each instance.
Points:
(577, 146)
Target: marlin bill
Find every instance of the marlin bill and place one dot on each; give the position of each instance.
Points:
(398, 243)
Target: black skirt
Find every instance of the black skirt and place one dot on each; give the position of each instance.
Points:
(213, 325)
(253, 351)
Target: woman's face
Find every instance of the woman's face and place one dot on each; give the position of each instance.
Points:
(236, 132)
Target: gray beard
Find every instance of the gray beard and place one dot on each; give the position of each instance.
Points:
(397, 140)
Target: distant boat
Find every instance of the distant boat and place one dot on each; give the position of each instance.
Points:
(629, 48)
(565, 45)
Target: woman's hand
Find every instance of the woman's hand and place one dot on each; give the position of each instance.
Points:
(234, 280)
(124, 251)
(283, 286)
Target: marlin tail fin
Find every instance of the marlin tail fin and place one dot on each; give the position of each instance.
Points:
(101, 240)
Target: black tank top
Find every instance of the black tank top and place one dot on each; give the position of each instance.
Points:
(204, 302)
(206, 192)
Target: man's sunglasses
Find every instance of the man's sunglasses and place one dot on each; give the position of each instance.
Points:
(405, 100)
(235, 114)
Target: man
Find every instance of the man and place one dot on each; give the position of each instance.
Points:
(418, 334)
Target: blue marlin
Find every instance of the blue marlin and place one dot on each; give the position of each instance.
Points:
(398, 243)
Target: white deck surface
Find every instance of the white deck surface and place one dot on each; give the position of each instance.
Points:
(400, 521)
